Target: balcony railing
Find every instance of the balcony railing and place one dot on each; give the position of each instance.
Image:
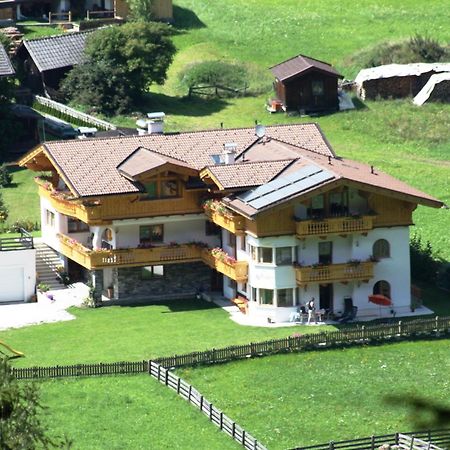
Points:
(335, 225)
(236, 270)
(132, 257)
(95, 213)
(99, 259)
(219, 214)
(362, 271)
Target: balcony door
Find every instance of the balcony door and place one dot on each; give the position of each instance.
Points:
(325, 252)
(326, 296)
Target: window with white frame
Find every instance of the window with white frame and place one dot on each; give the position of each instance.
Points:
(265, 296)
(49, 218)
(283, 256)
(285, 297)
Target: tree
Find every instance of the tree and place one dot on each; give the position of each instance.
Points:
(20, 426)
(3, 211)
(141, 10)
(121, 64)
(5, 176)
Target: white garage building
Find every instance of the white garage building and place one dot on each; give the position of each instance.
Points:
(17, 269)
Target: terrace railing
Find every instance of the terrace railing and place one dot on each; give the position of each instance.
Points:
(22, 242)
(99, 15)
(60, 17)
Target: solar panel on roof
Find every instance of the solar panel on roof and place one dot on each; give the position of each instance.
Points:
(291, 189)
(280, 182)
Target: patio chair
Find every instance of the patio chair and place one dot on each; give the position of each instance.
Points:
(350, 316)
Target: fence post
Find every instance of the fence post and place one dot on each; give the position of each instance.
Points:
(50, 17)
(87, 15)
(363, 328)
(396, 438)
(233, 429)
(437, 322)
(210, 411)
(400, 327)
(372, 442)
(178, 385)
(221, 420)
(331, 445)
(70, 16)
(201, 402)
(167, 377)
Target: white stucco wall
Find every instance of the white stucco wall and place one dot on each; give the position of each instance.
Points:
(49, 233)
(18, 261)
(178, 229)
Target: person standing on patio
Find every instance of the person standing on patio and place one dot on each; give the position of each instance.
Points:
(311, 308)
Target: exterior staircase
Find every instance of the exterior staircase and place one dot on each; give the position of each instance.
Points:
(46, 262)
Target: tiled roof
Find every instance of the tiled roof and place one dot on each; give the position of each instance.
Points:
(90, 165)
(341, 169)
(6, 68)
(300, 64)
(143, 160)
(247, 174)
(54, 52)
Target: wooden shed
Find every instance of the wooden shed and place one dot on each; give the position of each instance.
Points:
(306, 84)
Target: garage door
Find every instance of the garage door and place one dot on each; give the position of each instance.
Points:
(11, 284)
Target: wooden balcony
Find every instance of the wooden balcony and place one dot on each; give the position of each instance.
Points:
(232, 223)
(122, 207)
(100, 259)
(335, 225)
(133, 257)
(237, 271)
(335, 273)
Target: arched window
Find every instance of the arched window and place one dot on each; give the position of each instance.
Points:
(381, 249)
(382, 287)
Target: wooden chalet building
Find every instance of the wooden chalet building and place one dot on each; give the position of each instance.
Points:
(6, 68)
(276, 219)
(306, 84)
(46, 61)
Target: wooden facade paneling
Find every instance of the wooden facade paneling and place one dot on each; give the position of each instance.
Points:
(390, 211)
(297, 93)
(275, 223)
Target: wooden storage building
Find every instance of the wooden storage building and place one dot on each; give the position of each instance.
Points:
(306, 84)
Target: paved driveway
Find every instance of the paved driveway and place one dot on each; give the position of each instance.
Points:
(45, 310)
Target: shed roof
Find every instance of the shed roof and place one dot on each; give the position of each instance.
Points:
(55, 52)
(400, 70)
(6, 68)
(301, 64)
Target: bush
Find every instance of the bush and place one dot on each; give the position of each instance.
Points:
(25, 224)
(417, 49)
(4, 212)
(215, 73)
(5, 176)
(426, 49)
(424, 264)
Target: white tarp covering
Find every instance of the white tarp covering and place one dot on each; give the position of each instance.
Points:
(426, 91)
(399, 70)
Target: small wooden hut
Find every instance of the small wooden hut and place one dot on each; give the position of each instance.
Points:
(306, 84)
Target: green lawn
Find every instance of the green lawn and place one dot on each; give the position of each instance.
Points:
(33, 30)
(135, 333)
(21, 198)
(125, 412)
(315, 397)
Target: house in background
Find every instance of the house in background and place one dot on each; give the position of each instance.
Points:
(6, 68)
(396, 80)
(46, 61)
(92, 9)
(272, 216)
(306, 84)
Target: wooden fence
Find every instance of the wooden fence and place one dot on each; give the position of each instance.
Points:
(52, 106)
(440, 438)
(215, 415)
(354, 335)
(351, 335)
(217, 90)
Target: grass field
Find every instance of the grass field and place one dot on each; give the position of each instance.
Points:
(315, 397)
(135, 333)
(125, 412)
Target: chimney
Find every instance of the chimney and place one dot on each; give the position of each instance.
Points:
(154, 124)
(229, 153)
